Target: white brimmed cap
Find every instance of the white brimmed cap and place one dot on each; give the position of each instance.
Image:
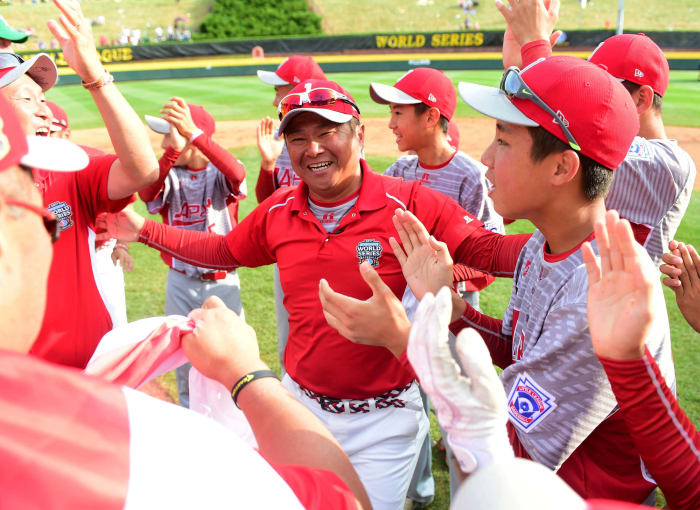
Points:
(157, 124)
(385, 94)
(271, 78)
(54, 154)
(493, 102)
(40, 68)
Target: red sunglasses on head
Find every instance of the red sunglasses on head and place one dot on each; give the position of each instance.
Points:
(319, 97)
(50, 220)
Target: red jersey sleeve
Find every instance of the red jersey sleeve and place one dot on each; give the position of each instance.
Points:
(491, 252)
(165, 163)
(265, 185)
(317, 489)
(223, 160)
(92, 186)
(664, 436)
(500, 346)
(248, 241)
(535, 50)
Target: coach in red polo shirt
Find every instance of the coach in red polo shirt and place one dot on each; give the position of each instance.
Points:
(340, 216)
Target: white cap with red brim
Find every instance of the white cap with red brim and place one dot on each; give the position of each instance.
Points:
(54, 154)
(332, 115)
(157, 124)
(493, 102)
(385, 94)
(271, 78)
(40, 68)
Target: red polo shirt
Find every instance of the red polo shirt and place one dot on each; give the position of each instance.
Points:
(76, 317)
(284, 230)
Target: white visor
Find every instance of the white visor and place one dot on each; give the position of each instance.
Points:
(40, 68)
(493, 102)
(55, 154)
(333, 116)
(157, 124)
(384, 94)
(271, 78)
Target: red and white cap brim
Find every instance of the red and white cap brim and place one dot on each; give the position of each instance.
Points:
(493, 102)
(40, 68)
(385, 94)
(54, 154)
(332, 115)
(271, 78)
(157, 124)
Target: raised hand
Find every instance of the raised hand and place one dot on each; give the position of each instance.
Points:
(74, 34)
(425, 262)
(270, 148)
(122, 257)
(124, 225)
(471, 409)
(621, 298)
(527, 21)
(682, 270)
(177, 112)
(380, 320)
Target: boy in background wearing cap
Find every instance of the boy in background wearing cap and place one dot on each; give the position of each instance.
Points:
(76, 317)
(653, 185)
(275, 168)
(9, 35)
(199, 186)
(422, 103)
(111, 257)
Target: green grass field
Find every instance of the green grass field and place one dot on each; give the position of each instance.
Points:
(245, 98)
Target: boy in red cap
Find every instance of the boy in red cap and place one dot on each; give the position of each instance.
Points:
(422, 103)
(654, 184)
(199, 186)
(275, 168)
(76, 317)
(337, 219)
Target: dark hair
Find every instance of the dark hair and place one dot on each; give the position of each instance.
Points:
(421, 108)
(595, 178)
(657, 104)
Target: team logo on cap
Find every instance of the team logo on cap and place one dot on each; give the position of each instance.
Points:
(638, 73)
(63, 213)
(431, 97)
(369, 250)
(561, 118)
(528, 403)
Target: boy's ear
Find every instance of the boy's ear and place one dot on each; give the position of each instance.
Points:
(567, 166)
(433, 117)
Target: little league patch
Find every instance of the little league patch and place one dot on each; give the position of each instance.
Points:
(528, 403)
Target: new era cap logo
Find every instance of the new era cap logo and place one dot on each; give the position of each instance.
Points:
(561, 118)
(431, 97)
(638, 73)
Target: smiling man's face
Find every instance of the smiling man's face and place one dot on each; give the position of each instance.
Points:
(29, 103)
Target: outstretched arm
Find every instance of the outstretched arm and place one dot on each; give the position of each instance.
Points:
(136, 166)
(621, 309)
(224, 348)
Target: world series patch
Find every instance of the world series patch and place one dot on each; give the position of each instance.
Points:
(369, 250)
(528, 403)
(63, 213)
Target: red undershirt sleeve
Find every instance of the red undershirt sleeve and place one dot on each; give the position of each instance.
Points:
(165, 163)
(223, 160)
(535, 50)
(500, 346)
(203, 249)
(490, 252)
(265, 185)
(664, 436)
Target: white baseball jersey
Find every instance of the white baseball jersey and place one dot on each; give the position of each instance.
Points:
(652, 188)
(557, 390)
(197, 200)
(462, 178)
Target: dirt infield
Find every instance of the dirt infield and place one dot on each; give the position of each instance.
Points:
(475, 135)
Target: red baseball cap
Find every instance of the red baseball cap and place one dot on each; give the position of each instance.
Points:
(340, 111)
(42, 152)
(453, 135)
(595, 107)
(40, 68)
(424, 85)
(635, 58)
(292, 71)
(201, 118)
(60, 118)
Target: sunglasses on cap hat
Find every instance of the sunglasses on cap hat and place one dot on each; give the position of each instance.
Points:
(512, 85)
(50, 220)
(318, 97)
